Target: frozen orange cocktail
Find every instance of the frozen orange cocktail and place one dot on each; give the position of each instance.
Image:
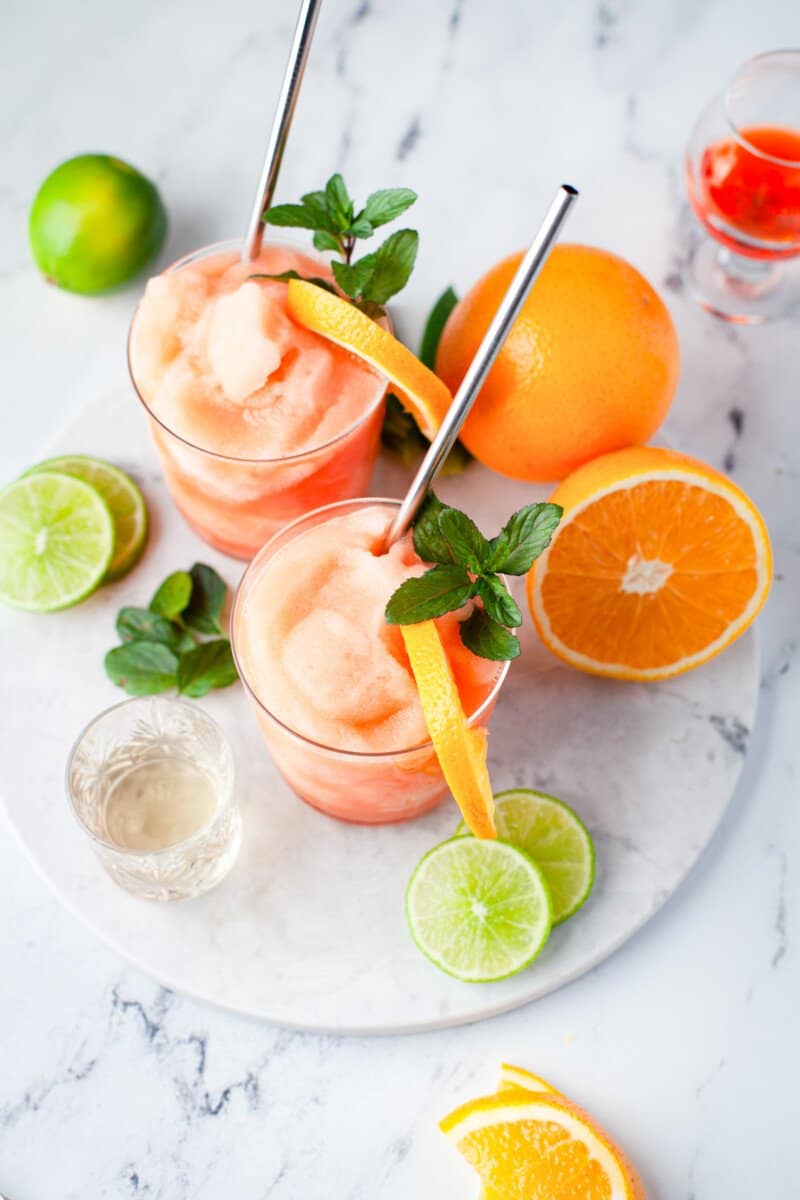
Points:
(255, 419)
(330, 680)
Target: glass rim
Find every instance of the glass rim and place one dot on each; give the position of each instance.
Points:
(309, 452)
(127, 851)
(726, 106)
(303, 739)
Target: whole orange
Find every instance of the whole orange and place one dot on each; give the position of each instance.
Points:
(590, 365)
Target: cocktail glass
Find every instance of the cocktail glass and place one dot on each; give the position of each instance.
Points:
(370, 788)
(237, 503)
(743, 180)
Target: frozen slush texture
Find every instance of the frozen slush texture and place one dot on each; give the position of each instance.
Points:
(218, 360)
(255, 420)
(315, 648)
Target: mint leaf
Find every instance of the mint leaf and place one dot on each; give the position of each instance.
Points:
(487, 638)
(429, 542)
(326, 241)
(387, 204)
(291, 216)
(142, 668)
(285, 276)
(143, 625)
(353, 279)
(340, 206)
(438, 591)
(361, 227)
(173, 595)
(394, 262)
(457, 461)
(208, 596)
(400, 432)
(432, 333)
(498, 602)
(469, 546)
(523, 538)
(208, 666)
(316, 203)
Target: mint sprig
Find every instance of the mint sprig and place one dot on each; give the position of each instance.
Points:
(400, 433)
(467, 567)
(161, 644)
(331, 215)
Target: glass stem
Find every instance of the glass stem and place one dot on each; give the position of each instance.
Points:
(750, 275)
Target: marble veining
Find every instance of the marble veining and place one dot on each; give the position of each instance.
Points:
(113, 1087)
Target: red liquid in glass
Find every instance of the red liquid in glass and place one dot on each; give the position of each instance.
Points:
(740, 191)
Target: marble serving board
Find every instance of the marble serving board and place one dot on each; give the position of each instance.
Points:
(309, 929)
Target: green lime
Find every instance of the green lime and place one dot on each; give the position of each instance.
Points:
(123, 498)
(56, 541)
(479, 909)
(556, 839)
(94, 223)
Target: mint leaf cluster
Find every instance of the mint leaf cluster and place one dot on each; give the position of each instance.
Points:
(400, 433)
(468, 567)
(162, 646)
(337, 225)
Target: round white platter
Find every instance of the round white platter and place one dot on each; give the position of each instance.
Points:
(309, 929)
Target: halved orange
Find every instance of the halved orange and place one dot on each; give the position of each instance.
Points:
(420, 391)
(657, 565)
(461, 751)
(541, 1146)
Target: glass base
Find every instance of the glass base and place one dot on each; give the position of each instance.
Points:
(746, 291)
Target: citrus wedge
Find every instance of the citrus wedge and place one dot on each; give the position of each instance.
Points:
(556, 839)
(420, 391)
(479, 909)
(56, 541)
(514, 1079)
(658, 564)
(124, 500)
(518, 1077)
(528, 1146)
(461, 751)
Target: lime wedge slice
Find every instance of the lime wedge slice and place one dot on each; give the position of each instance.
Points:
(556, 839)
(56, 541)
(123, 498)
(478, 908)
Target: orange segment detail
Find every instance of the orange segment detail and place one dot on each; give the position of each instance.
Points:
(461, 751)
(420, 391)
(528, 1146)
(659, 563)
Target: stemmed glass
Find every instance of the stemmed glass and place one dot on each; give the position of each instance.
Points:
(743, 179)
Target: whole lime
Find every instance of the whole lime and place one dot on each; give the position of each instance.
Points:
(94, 223)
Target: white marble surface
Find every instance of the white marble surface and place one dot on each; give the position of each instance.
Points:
(308, 930)
(685, 1043)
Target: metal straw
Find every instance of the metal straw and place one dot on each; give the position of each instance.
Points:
(481, 364)
(298, 55)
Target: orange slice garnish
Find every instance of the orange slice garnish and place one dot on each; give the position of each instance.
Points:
(461, 751)
(537, 1146)
(419, 391)
(518, 1077)
(658, 564)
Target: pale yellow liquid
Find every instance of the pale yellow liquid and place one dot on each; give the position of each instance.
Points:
(160, 803)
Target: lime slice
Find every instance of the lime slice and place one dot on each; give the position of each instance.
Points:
(556, 839)
(478, 908)
(123, 498)
(56, 541)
